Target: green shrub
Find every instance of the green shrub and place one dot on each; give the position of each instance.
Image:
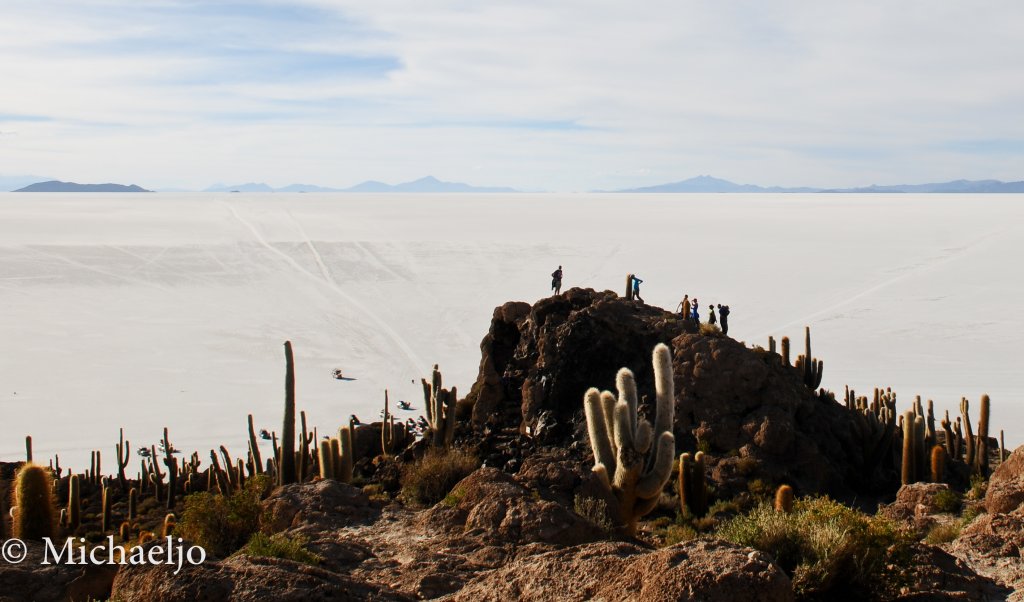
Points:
(947, 500)
(452, 499)
(280, 545)
(222, 524)
(827, 548)
(944, 533)
(970, 513)
(428, 480)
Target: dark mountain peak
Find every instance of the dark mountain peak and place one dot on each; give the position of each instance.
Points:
(58, 186)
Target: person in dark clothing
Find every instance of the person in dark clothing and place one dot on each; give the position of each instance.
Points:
(711, 314)
(636, 289)
(723, 315)
(556, 280)
(695, 314)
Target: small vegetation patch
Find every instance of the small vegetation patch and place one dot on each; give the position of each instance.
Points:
(280, 546)
(710, 330)
(827, 548)
(594, 511)
(947, 500)
(944, 533)
(223, 524)
(428, 480)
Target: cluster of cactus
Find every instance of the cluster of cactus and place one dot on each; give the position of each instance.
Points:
(810, 366)
(693, 485)
(387, 429)
(440, 410)
(912, 443)
(875, 424)
(632, 458)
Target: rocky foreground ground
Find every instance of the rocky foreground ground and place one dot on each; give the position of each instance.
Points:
(513, 529)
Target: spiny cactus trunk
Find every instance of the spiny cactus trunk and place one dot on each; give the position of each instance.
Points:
(326, 459)
(784, 499)
(35, 516)
(907, 464)
(254, 449)
(347, 453)
(938, 464)
(785, 351)
(133, 503)
(108, 505)
(287, 460)
(74, 514)
(982, 447)
(965, 409)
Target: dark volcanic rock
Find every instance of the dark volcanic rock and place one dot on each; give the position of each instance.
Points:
(543, 358)
(708, 571)
(1006, 485)
(753, 414)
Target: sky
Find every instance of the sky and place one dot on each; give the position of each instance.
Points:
(538, 95)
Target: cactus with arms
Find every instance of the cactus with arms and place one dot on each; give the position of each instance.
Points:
(632, 460)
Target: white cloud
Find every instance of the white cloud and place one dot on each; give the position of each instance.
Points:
(825, 93)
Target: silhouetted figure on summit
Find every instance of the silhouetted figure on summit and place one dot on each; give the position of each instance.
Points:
(556, 280)
(723, 315)
(711, 314)
(694, 315)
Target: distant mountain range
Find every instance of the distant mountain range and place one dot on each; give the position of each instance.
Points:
(427, 184)
(58, 186)
(710, 184)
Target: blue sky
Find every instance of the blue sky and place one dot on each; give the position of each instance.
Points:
(569, 95)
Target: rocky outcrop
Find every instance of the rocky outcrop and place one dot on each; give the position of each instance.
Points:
(1006, 485)
(709, 571)
(993, 545)
(915, 505)
(751, 413)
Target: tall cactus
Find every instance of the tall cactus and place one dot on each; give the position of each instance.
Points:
(440, 410)
(810, 366)
(965, 411)
(28, 449)
(74, 513)
(981, 461)
(254, 449)
(938, 463)
(908, 465)
(172, 470)
(108, 505)
(286, 470)
(346, 453)
(785, 351)
(35, 516)
(387, 429)
(123, 451)
(305, 439)
(632, 460)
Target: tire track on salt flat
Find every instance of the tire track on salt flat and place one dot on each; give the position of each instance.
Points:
(906, 271)
(326, 279)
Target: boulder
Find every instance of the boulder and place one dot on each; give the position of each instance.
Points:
(1006, 485)
(915, 503)
(705, 570)
(490, 506)
(318, 505)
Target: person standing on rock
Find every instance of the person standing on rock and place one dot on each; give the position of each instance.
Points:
(684, 307)
(711, 314)
(556, 280)
(636, 289)
(723, 314)
(695, 315)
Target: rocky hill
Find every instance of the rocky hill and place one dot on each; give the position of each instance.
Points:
(498, 501)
